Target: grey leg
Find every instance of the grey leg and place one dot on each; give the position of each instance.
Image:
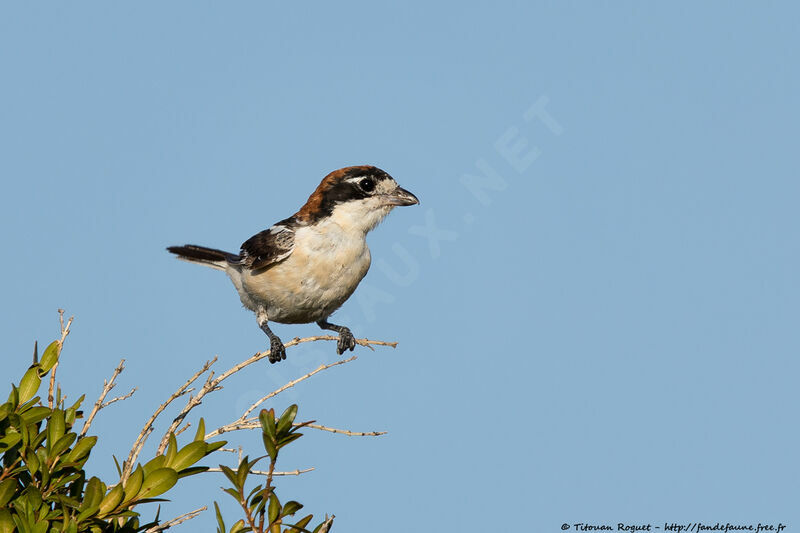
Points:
(277, 350)
(346, 339)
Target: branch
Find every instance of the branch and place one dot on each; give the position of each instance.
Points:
(107, 386)
(148, 427)
(175, 521)
(345, 431)
(265, 473)
(64, 333)
(243, 419)
(213, 384)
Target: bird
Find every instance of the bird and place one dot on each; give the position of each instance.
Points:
(305, 267)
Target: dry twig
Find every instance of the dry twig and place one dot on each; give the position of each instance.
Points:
(178, 520)
(212, 384)
(107, 386)
(64, 333)
(347, 432)
(243, 419)
(265, 473)
(148, 427)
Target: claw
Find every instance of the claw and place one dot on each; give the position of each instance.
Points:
(277, 351)
(346, 341)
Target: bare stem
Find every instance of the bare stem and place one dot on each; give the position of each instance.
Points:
(107, 386)
(347, 432)
(212, 384)
(64, 333)
(243, 419)
(177, 520)
(148, 427)
(264, 472)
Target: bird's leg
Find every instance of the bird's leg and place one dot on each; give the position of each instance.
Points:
(346, 339)
(277, 350)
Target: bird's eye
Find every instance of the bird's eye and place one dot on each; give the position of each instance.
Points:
(367, 184)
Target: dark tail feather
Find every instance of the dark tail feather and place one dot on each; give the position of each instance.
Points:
(200, 254)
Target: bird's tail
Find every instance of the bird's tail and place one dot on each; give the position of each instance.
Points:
(200, 254)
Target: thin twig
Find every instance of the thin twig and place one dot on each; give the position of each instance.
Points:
(119, 398)
(214, 384)
(148, 427)
(242, 419)
(184, 428)
(346, 432)
(265, 473)
(64, 333)
(254, 423)
(107, 386)
(177, 520)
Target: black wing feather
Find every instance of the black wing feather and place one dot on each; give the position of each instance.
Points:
(268, 247)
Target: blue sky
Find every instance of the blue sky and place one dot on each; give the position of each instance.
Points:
(602, 330)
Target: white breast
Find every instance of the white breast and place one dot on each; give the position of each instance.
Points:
(324, 268)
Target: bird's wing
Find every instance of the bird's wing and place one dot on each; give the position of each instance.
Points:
(268, 247)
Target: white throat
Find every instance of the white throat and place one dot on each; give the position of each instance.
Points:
(360, 215)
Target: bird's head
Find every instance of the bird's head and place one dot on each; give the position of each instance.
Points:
(355, 198)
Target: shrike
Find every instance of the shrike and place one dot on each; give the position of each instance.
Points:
(305, 267)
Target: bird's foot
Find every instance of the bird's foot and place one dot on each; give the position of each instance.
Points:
(277, 351)
(347, 341)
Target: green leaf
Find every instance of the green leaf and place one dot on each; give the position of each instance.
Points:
(214, 446)
(5, 410)
(32, 461)
(291, 507)
(134, 483)
(93, 494)
(274, 508)
(7, 489)
(289, 438)
(200, 434)
(6, 522)
(29, 384)
(111, 500)
(50, 356)
(220, 521)
(81, 449)
(56, 426)
(267, 419)
(191, 471)
(241, 473)
(78, 402)
(172, 448)
(286, 419)
(10, 440)
(154, 464)
(158, 482)
(230, 474)
(239, 527)
(301, 524)
(269, 446)
(63, 443)
(35, 414)
(189, 455)
(116, 464)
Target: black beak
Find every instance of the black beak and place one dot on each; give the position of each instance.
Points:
(400, 196)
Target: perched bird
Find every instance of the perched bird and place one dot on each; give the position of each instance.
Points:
(305, 267)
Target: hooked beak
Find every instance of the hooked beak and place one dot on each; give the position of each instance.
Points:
(400, 196)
